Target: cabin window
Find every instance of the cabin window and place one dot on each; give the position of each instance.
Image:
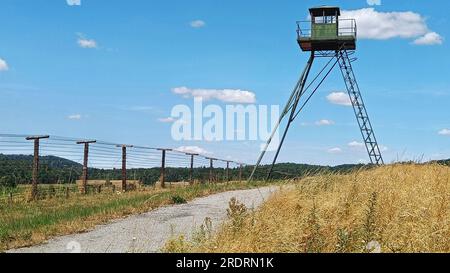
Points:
(324, 20)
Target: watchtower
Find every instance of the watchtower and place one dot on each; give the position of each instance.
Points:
(326, 31)
(326, 36)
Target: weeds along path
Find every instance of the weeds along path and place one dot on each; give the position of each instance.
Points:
(149, 232)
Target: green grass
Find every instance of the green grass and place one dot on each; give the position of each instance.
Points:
(176, 199)
(25, 224)
(22, 192)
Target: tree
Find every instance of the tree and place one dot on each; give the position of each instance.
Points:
(8, 181)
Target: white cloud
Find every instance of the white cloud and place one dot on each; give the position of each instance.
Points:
(444, 132)
(356, 144)
(335, 150)
(225, 95)
(182, 90)
(86, 43)
(167, 120)
(73, 2)
(431, 38)
(361, 145)
(387, 25)
(75, 117)
(193, 150)
(3, 65)
(339, 98)
(324, 122)
(374, 2)
(198, 24)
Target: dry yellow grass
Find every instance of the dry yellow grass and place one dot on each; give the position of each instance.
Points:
(403, 208)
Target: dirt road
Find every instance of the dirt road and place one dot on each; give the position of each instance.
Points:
(148, 232)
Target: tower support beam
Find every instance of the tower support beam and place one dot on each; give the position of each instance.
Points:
(293, 100)
(342, 58)
(298, 95)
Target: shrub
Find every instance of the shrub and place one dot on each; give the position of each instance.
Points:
(176, 199)
(8, 181)
(236, 213)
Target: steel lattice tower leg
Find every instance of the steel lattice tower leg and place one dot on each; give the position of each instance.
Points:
(360, 110)
(291, 106)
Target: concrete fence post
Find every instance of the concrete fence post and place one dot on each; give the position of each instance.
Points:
(124, 165)
(162, 178)
(85, 164)
(34, 185)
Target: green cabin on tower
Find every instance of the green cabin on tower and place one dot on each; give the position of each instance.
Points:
(326, 31)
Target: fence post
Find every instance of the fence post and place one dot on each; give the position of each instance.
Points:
(211, 169)
(124, 165)
(162, 178)
(36, 140)
(240, 172)
(85, 164)
(228, 171)
(191, 169)
(10, 198)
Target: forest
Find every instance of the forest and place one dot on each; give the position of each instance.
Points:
(17, 169)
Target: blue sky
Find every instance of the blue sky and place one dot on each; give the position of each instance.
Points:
(106, 69)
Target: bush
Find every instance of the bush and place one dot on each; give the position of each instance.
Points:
(176, 199)
(236, 212)
(8, 181)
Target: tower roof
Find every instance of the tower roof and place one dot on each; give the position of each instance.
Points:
(325, 11)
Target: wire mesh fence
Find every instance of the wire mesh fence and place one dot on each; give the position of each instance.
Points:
(42, 167)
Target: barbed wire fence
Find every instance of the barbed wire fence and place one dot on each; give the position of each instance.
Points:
(39, 167)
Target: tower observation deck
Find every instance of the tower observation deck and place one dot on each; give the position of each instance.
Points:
(326, 31)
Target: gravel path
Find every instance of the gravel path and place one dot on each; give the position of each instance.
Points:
(148, 232)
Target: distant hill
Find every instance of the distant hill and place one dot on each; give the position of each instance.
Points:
(50, 161)
(444, 162)
(17, 169)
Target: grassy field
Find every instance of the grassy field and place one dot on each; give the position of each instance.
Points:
(28, 223)
(23, 192)
(397, 208)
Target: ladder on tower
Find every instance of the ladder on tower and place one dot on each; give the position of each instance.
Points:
(370, 141)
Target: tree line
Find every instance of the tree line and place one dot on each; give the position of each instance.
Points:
(17, 169)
